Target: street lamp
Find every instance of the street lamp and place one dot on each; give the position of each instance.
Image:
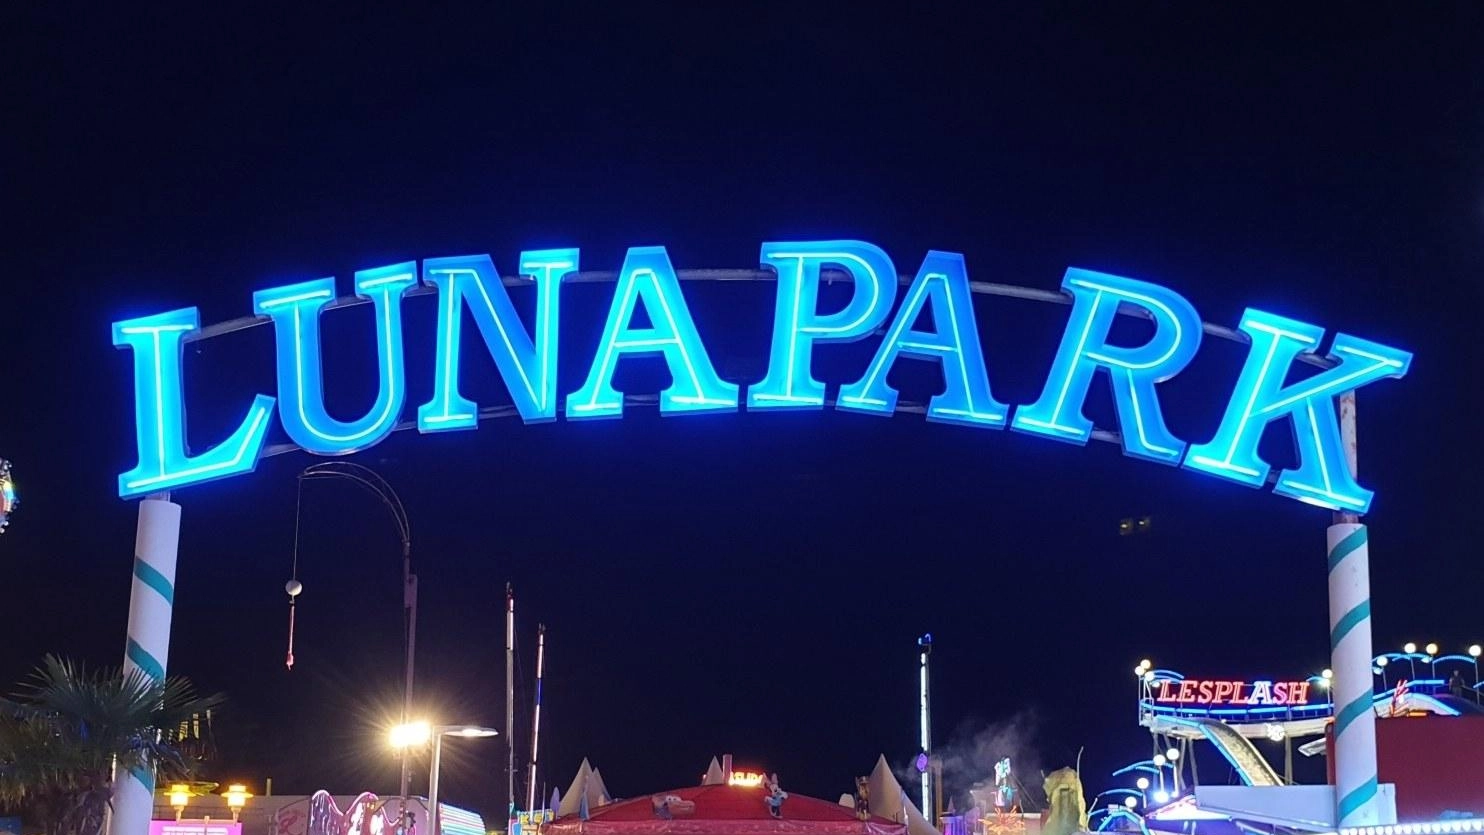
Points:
(180, 797)
(1173, 755)
(369, 480)
(463, 731)
(237, 796)
(1410, 648)
(1474, 652)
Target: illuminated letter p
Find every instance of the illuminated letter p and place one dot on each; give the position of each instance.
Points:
(159, 414)
(797, 324)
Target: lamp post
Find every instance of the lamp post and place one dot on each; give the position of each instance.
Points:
(180, 797)
(371, 481)
(1173, 755)
(1410, 649)
(1474, 652)
(464, 731)
(237, 796)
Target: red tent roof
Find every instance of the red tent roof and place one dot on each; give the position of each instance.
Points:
(724, 810)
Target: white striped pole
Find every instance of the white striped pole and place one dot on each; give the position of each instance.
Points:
(1356, 783)
(148, 647)
(1350, 644)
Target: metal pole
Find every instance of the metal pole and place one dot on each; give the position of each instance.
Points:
(926, 645)
(409, 608)
(536, 721)
(1357, 800)
(433, 814)
(147, 649)
(509, 704)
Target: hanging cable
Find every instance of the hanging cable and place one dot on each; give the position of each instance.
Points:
(293, 586)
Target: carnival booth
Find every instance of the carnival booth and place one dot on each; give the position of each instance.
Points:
(723, 810)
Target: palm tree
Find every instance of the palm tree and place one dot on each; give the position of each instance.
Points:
(70, 729)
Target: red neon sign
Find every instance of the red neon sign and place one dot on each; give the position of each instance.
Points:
(1215, 692)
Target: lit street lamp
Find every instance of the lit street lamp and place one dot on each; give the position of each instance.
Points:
(369, 480)
(464, 731)
(237, 796)
(180, 797)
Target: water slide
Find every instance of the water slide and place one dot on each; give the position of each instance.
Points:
(1239, 751)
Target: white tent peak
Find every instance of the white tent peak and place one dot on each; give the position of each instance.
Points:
(586, 785)
(889, 801)
(713, 777)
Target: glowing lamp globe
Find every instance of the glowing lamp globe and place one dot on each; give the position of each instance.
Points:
(410, 735)
(1142, 783)
(1131, 802)
(1432, 649)
(1172, 754)
(1476, 650)
(1159, 760)
(1409, 648)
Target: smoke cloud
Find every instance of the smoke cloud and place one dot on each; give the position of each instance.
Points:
(969, 756)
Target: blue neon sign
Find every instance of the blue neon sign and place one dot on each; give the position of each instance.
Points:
(940, 293)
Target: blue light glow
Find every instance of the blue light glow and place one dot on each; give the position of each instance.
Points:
(648, 276)
(798, 324)
(942, 284)
(159, 411)
(528, 369)
(1132, 372)
(295, 311)
(1323, 477)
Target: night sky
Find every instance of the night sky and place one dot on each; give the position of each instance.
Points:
(753, 583)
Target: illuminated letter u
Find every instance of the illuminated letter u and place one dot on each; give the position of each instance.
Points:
(295, 311)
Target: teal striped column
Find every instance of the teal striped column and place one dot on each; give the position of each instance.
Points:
(1356, 786)
(148, 649)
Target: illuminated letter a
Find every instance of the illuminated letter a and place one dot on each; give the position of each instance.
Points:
(647, 276)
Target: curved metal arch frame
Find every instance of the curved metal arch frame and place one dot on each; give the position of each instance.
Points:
(978, 288)
(368, 479)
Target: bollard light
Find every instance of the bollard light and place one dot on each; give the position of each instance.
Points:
(180, 797)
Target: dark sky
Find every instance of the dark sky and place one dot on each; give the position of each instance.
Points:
(749, 583)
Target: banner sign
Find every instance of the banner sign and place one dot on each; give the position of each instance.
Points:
(1203, 692)
(649, 317)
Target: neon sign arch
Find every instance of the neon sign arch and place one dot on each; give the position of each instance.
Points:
(527, 359)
